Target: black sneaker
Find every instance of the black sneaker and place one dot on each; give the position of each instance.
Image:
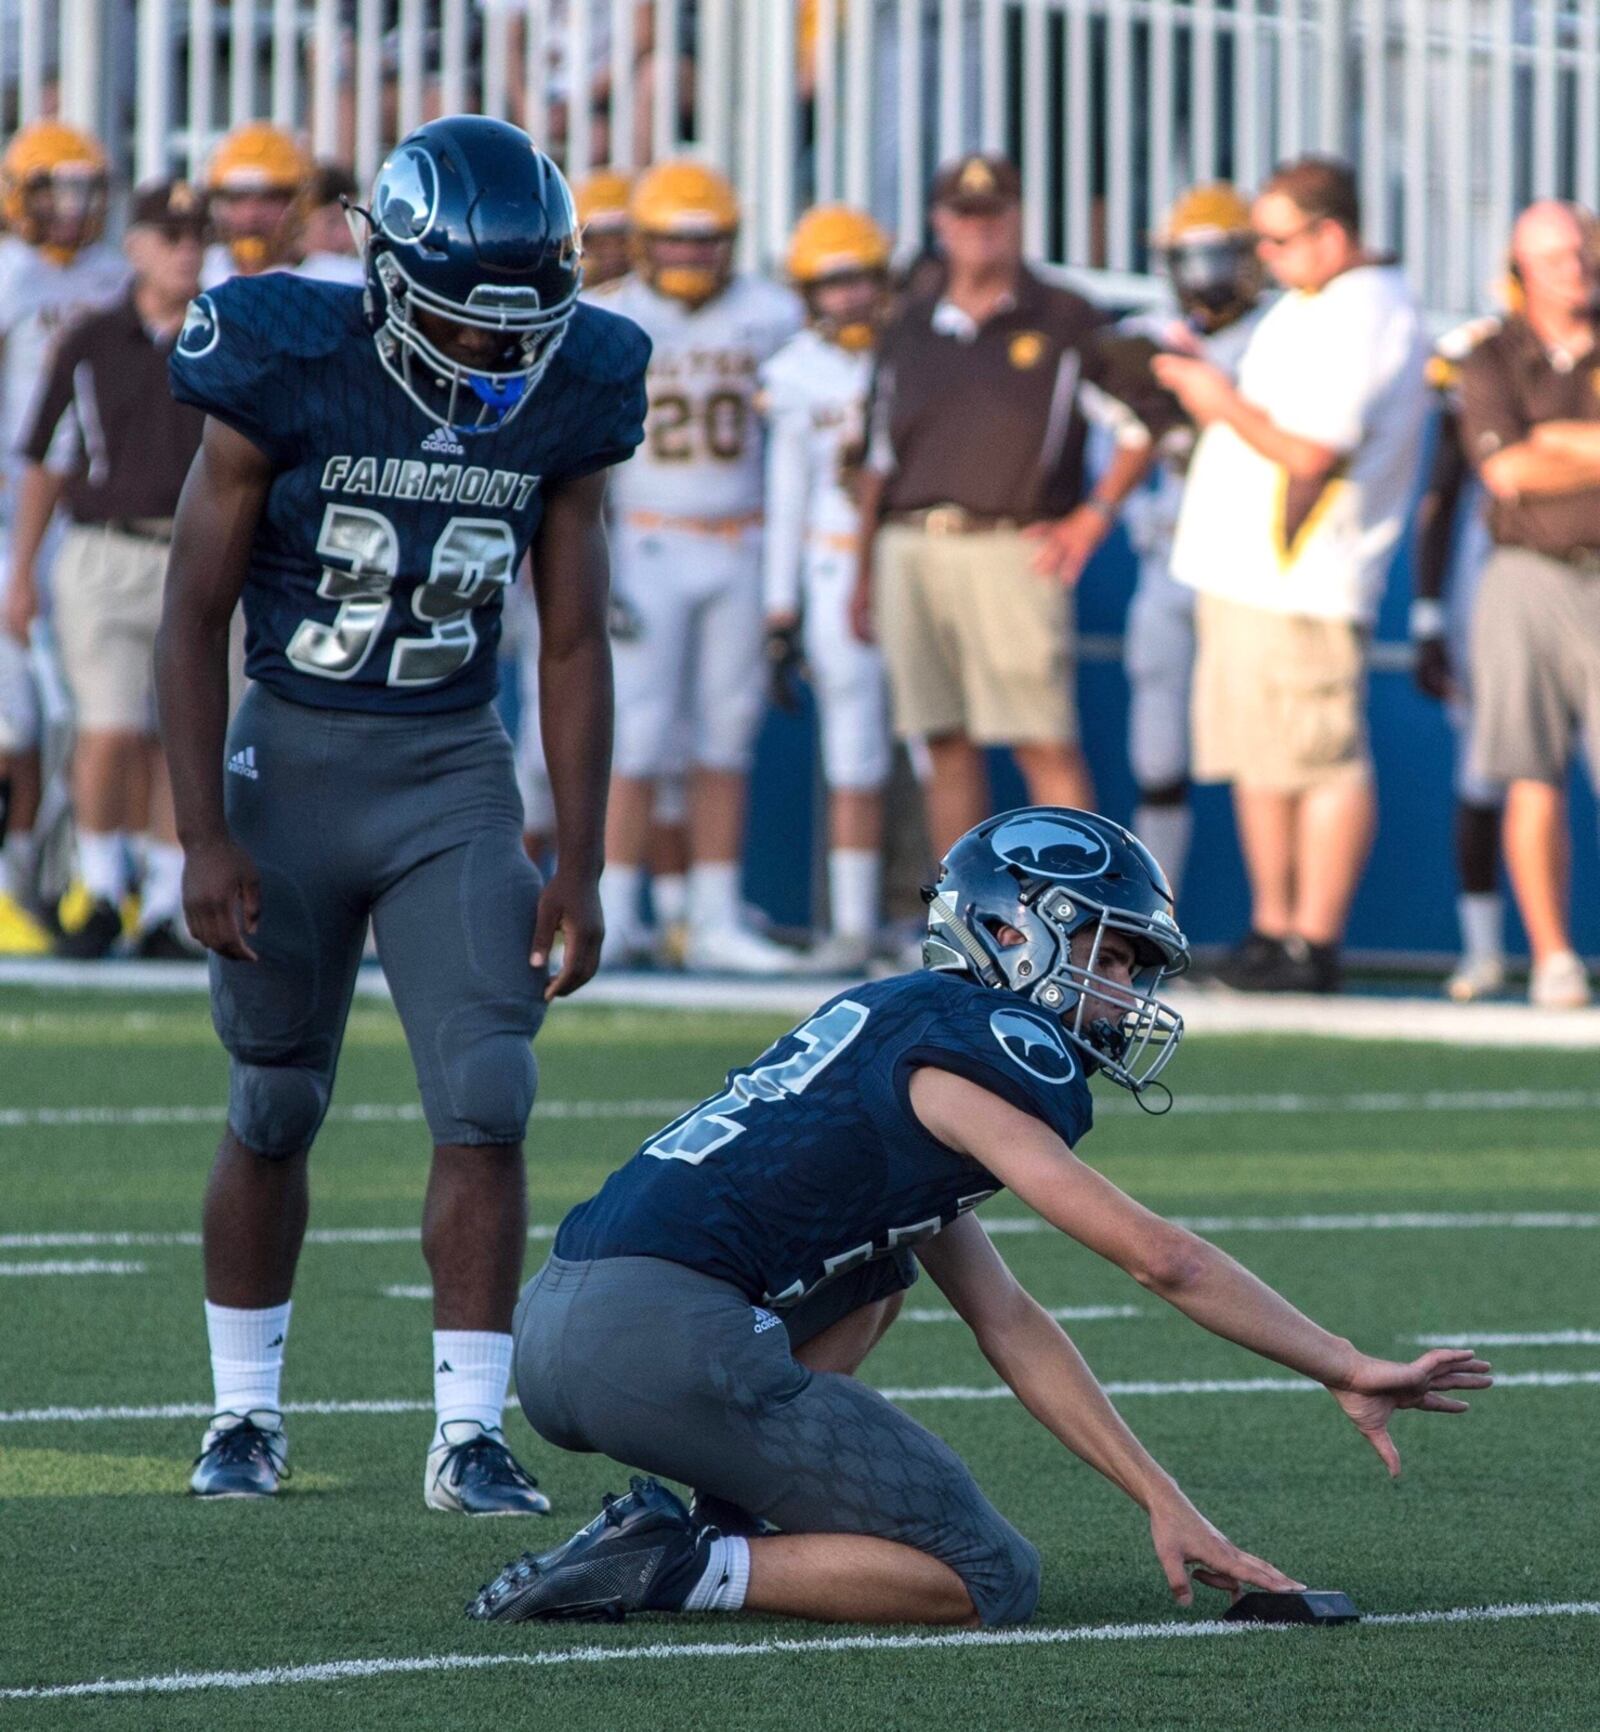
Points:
(476, 1474)
(244, 1458)
(642, 1553)
(166, 942)
(732, 1519)
(95, 937)
(1303, 967)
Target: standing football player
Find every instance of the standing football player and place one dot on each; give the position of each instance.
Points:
(703, 1316)
(370, 479)
(689, 513)
(814, 393)
(1208, 252)
(53, 265)
(260, 188)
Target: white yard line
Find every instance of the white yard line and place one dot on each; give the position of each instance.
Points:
(342, 1671)
(363, 1113)
(1537, 1220)
(1501, 1338)
(88, 1267)
(936, 1392)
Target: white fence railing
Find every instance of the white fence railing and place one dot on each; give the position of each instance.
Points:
(1456, 111)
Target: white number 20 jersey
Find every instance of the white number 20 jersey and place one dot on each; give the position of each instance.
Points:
(702, 451)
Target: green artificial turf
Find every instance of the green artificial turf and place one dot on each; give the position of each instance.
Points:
(110, 1572)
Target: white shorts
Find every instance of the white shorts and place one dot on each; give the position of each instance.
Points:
(698, 659)
(1158, 653)
(848, 677)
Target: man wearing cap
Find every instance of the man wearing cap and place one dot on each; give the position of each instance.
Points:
(107, 441)
(976, 515)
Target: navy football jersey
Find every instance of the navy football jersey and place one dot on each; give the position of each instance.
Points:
(388, 542)
(811, 1161)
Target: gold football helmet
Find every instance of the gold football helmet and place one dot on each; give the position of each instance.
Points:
(677, 202)
(832, 244)
(53, 187)
(259, 182)
(1208, 247)
(602, 202)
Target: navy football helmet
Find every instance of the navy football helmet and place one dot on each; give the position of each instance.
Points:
(1052, 872)
(471, 224)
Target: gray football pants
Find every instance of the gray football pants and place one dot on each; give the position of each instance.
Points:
(672, 1371)
(411, 822)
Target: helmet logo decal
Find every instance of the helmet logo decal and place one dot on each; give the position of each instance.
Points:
(1045, 846)
(405, 202)
(1033, 1044)
(201, 329)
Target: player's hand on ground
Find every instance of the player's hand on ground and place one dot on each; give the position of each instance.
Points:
(1379, 1387)
(222, 898)
(1186, 1542)
(570, 908)
(1064, 547)
(1431, 670)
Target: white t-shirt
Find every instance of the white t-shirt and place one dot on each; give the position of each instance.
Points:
(1344, 367)
(702, 450)
(813, 393)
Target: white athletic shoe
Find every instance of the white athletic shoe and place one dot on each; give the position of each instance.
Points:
(624, 950)
(732, 950)
(840, 953)
(1476, 977)
(1559, 983)
(473, 1473)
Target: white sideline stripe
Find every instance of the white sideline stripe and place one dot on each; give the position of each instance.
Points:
(88, 1267)
(337, 1671)
(1493, 1338)
(937, 1392)
(1004, 1224)
(914, 1314)
(1278, 1105)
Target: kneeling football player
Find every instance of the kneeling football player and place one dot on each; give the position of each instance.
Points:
(703, 1316)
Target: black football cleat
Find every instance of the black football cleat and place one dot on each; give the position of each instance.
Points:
(642, 1553)
(95, 938)
(242, 1456)
(477, 1475)
(730, 1519)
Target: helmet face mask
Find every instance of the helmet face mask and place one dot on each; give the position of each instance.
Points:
(852, 322)
(1066, 881)
(54, 189)
(1216, 276)
(685, 218)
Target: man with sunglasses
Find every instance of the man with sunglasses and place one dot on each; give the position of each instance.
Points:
(370, 479)
(1296, 497)
(703, 1316)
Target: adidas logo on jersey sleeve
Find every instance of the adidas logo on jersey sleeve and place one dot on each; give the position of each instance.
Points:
(243, 763)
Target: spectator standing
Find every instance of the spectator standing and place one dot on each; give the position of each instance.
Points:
(128, 450)
(1530, 410)
(975, 516)
(1296, 497)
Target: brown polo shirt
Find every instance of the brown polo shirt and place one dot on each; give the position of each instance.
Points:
(129, 445)
(989, 417)
(1510, 384)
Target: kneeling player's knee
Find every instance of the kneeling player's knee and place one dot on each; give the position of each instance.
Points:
(490, 1085)
(276, 1110)
(1008, 1592)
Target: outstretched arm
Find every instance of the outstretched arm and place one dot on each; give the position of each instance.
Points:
(1203, 1282)
(1028, 1348)
(572, 584)
(217, 514)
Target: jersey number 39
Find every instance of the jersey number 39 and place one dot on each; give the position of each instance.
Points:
(474, 557)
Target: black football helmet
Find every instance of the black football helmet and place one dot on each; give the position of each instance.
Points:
(470, 223)
(1052, 872)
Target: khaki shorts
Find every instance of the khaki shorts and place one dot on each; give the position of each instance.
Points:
(1279, 699)
(976, 642)
(1535, 669)
(107, 591)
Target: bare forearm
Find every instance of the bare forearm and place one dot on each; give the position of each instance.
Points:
(1211, 1289)
(1303, 459)
(575, 719)
(192, 694)
(37, 498)
(1558, 458)
(1052, 1380)
(869, 499)
(1127, 468)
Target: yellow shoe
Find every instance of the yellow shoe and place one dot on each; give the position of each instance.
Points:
(130, 911)
(20, 933)
(75, 906)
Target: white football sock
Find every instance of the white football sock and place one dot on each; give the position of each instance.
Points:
(1164, 830)
(471, 1370)
(669, 896)
(103, 865)
(247, 1356)
(1482, 917)
(619, 899)
(162, 898)
(855, 878)
(714, 895)
(726, 1580)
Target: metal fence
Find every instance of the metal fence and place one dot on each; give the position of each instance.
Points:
(1456, 111)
